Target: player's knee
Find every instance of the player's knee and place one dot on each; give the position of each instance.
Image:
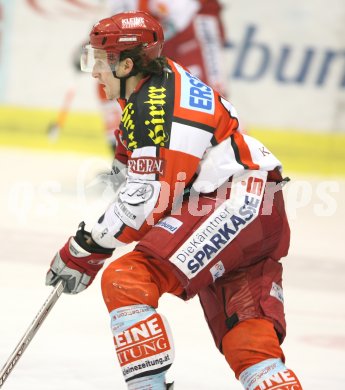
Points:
(127, 282)
(115, 283)
(250, 342)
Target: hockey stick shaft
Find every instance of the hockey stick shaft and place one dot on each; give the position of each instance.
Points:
(67, 103)
(30, 333)
(54, 128)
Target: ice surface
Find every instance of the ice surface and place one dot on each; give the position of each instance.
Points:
(43, 198)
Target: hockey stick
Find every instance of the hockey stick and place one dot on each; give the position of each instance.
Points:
(53, 130)
(30, 333)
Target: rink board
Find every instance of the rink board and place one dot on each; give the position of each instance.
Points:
(299, 150)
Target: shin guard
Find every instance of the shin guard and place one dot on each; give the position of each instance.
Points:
(143, 344)
(268, 375)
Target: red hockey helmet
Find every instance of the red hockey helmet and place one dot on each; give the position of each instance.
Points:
(125, 31)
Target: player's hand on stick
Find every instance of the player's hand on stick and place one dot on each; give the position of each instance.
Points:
(115, 177)
(77, 263)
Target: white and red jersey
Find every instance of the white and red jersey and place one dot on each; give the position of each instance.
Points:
(177, 132)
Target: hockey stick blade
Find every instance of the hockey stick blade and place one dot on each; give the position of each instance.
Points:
(30, 333)
(53, 132)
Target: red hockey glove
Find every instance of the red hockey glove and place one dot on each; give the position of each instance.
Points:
(77, 263)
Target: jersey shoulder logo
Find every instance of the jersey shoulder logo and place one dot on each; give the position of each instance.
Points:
(195, 94)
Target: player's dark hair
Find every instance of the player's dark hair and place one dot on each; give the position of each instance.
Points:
(141, 64)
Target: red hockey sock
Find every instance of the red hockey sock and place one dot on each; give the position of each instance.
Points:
(250, 342)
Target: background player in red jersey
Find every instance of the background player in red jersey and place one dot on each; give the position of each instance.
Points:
(203, 201)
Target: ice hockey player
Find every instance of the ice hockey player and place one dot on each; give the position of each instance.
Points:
(204, 204)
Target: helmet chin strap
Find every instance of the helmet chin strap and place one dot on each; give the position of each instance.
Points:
(123, 80)
(123, 89)
(122, 85)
